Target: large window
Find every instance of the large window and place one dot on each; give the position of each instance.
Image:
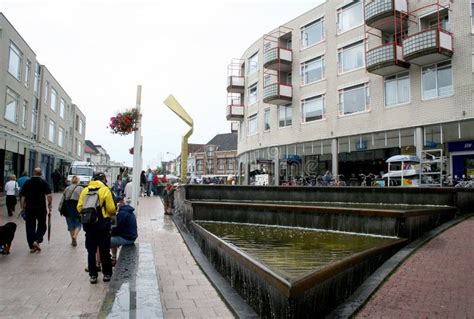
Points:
(266, 120)
(61, 137)
(312, 109)
(27, 73)
(54, 99)
(14, 61)
(252, 125)
(437, 80)
(252, 94)
(354, 99)
(312, 33)
(284, 115)
(252, 64)
(397, 89)
(351, 57)
(230, 164)
(350, 16)
(62, 108)
(11, 105)
(210, 166)
(312, 70)
(52, 131)
(24, 114)
(199, 165)
(221, 164)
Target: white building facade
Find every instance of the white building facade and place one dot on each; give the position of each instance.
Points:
(350, 83)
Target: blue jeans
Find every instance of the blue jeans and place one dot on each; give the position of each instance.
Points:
(116, 241)
(148, 188)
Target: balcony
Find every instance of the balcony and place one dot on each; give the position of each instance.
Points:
(235, 112)
(235, 84)
(234, 127)
(427, 47)
(278, 59)
(386, 59)
(277, 93)
(380, 14)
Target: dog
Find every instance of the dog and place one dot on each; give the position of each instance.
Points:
(7, 233)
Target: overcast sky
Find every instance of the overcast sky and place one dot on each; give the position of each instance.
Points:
(99, 50)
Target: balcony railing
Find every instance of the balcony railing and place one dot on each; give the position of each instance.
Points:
(235, 112)
(235, 84)
(277, 93)
(379, 14)
(428, 47)
(386, 59)
(278, 59)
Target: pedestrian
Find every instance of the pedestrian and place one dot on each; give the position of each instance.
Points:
(98, 228)
(149, 181)
(24, 177)
(155, 183)
(11, 191)
(7, 233)
(125, 232)
(34, 195)
(118, 188)
(128, 190)
(164, 180)
(56, 177)
(142, 182)
(70, 199)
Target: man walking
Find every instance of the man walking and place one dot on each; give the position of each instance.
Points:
(98, 231)
(34, 195)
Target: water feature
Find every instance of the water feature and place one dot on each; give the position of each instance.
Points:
(293, 252)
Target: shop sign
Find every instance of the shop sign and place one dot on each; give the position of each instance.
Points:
(264, 161)
(461, 146)
(430, 144)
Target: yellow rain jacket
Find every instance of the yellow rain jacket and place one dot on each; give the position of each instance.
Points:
(105, 198)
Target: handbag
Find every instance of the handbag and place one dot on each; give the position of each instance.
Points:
(63, 207)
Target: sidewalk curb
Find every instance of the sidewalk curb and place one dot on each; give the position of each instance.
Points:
(370, 286)
(231, 298)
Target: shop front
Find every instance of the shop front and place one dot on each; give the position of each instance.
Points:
(461, 159)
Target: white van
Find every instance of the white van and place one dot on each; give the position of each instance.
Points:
(84, 170)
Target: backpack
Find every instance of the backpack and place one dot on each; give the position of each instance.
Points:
(91, 210)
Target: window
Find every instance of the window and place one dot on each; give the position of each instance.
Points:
(437, 80)
(230, 164)
(45, 126)
(210, 151)
(397, 89)
(79, 148)
(54, 97)
(37, 79)
(252, 64)
(351, 57)
(252, 125)
(34, 118)
(46, 92)
(199, 165)
(27, 73)
(443, 23)
(14, 61)
(221, 164)
(253, 94)
(289, 78)
(62, 108)
(24, 115)
(61, 137)
(11, 105)
(354, 99)
(312, 70)
(350, 16)
(52, 131)
(312, 33)
(210, 166)
(266, 120)
(312, 109)
(284, 115)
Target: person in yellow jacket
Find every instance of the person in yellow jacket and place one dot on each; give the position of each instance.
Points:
(98, 233)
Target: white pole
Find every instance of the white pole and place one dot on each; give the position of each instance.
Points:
(137, 156)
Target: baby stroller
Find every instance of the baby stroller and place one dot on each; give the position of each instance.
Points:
(7, 233)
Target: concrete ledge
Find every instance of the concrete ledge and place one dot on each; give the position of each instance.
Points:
(133, 290)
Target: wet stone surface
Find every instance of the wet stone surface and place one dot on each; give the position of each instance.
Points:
(133, 291)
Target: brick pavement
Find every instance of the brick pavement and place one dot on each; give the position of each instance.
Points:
(437, 281)
(53, 283)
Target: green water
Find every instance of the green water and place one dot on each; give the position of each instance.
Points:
(293, 252)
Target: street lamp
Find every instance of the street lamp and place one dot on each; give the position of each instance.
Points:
(171, 154)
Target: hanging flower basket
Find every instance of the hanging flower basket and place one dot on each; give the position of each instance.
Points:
(125, 123)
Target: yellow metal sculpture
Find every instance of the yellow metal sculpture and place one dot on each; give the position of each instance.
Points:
(174, 106)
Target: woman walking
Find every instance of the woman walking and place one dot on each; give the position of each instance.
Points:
(11, 189)
(70, 198)
(118, 188)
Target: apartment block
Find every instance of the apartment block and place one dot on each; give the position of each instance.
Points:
(348, 84)
(37, 125)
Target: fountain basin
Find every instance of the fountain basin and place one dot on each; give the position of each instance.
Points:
(274, 293)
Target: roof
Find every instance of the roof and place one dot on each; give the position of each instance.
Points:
(91, 146)
(224, 142)
(193, 148)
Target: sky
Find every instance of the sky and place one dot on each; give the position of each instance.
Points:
(100, 50)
